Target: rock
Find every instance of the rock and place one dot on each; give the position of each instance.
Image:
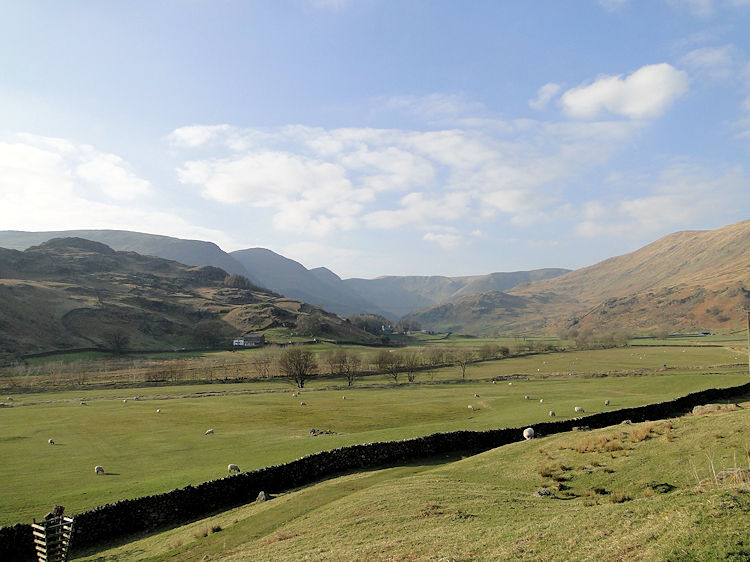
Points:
(542, 492)
(710, 408)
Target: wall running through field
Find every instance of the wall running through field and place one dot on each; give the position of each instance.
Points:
(150, 513)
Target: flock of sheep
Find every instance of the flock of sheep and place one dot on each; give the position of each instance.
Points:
(528, 433)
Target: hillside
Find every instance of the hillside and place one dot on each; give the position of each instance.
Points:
(686, 281)
(400, 295)
(191, 252)
(71, 293)
(319, 286)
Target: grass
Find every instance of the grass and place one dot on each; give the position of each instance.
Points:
(650, 502)
(259, 425)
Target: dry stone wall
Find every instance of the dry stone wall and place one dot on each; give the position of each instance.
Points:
(149, 513)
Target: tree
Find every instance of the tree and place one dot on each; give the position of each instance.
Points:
(371, 323)
(309, 324)
(412, 361)
(237, 281)
(489, 351)
(351, 367)
(463, 356)
(263, 362)
(117, 340)
(390, 362)
(297, 364)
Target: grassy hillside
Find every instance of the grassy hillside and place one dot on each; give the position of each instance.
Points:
(71, 292)
(677, 489)
(686, 281)
(261, 424)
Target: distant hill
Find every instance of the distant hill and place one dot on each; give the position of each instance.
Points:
(72, 292)
(319, 286)
(190, 252)
(686, 281)
(403, 295)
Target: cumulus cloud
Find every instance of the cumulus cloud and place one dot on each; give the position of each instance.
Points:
(544, 95)
(681, 194)
(55, 184)
(322, 181)
(446, 241)
(646, 93)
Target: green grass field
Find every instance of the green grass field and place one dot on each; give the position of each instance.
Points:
(651, 491)
(261, 424)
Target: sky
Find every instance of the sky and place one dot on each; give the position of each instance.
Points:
(379, 137)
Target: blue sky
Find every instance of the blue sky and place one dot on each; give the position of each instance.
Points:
(379, 137)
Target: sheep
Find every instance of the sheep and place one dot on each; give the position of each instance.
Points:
(51, 441)
(527, 397)
(99, 469)
(552, 413)
(84, 404)
(528, 433)
(471, 407)
(510, 384)
(343, 397)
(579, 410)
(209, 432)
(476, 396)
(233, 468)
(606, 402)
(294, 394)
(541, 400)
(303, 403)
(494, 382)
(158, 410)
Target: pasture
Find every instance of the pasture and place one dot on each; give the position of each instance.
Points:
(650, 491)
(260, 424)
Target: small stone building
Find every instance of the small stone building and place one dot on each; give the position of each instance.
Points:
(250, 340)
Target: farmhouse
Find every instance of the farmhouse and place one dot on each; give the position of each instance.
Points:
(250, 340)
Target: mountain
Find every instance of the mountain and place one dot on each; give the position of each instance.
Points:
(72, 292)
(400, 296)
(290, 278)
(686, 281)
(191, 252)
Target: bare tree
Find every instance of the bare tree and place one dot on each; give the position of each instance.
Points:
(462, 357)
(351, 367)
(263, 361)
(298, 364)
(412, 361)
(389, 361)
(117, 340)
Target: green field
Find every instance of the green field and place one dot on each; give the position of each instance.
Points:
(260, 424)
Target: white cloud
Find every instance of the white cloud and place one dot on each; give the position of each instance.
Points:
(435, 106)
(446, 241)
(683, 194)
(544, 95)
(646, 93)
(196, 135)
(55, 184)
(113, 176)
(716, 62)
(700, 8)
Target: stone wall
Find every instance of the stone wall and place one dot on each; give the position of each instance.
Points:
(182, 505)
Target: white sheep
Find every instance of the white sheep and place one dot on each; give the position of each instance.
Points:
(233, 468)
(579, 410)
(510, 384)
(51, 441)
(527, 397)
(343, 397)
(158, 411)
(494, 382)
(471, 407)
(541, 400)
(606, 402)
(528, 433)
(552, 413)
(209, 432)
(124, 400)
(303, 403)
(99, 469)
(476, 396)
(84, 404)
(294, 394)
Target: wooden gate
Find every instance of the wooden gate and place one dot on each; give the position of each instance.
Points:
(52, 538)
